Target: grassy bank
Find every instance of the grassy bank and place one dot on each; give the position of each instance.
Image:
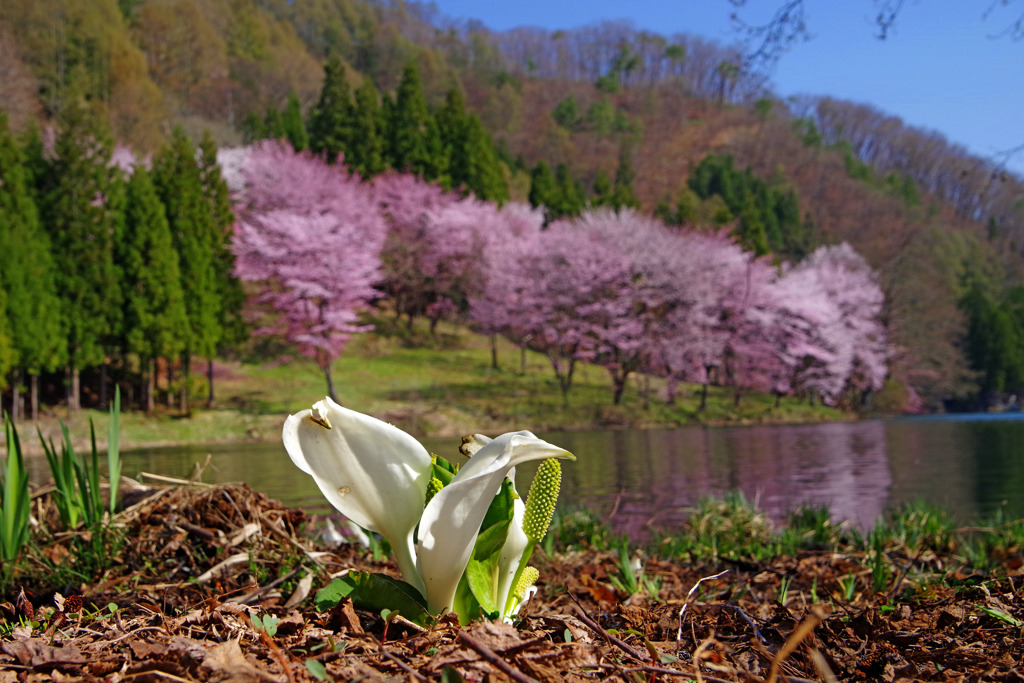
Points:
(429, 385)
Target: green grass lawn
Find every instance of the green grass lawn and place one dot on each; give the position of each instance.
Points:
(432, 385)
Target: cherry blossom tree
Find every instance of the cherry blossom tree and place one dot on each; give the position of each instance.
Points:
(656, 258)
(431, 254)
(797, 319)
(629, 293)
(311, 235)
(511, 232)
(566, 293)
(751, 359)
(690, 289)
(854, 331)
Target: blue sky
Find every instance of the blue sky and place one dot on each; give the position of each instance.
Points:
(942, 68)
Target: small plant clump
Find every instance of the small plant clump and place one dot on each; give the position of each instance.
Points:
(81, 509)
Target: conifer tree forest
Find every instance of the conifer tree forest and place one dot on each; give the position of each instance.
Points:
(178, 176)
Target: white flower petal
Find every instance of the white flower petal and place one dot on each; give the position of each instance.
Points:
(371, 471)
(451, 521)
(516, 543)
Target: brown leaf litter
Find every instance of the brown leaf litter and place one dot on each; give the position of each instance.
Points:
(198, 563)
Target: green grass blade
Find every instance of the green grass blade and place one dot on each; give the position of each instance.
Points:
(95, 497)
(58, 470)
(113, 449)
(14, 508)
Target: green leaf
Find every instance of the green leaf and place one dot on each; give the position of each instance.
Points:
(481, 579)
(374, 593)
(465, 604)
(14, 497)
(481, 572)
(316, 669)
(490, 541)
(113, 449)
(1001, 615)
(501, 506)
(450, 675)
(270, 623)
(442, 469)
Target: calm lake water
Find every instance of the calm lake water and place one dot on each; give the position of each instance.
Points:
(971, 466)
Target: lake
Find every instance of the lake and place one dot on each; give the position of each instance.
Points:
(641, 479)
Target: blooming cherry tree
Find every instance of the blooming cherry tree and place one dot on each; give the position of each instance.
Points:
(566, 293)
(511, 233)
(311, 235)
(431, 254)
(690, 289)
(852, 327)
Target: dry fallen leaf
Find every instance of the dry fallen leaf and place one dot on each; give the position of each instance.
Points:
(229, 665)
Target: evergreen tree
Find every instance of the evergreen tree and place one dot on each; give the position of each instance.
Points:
(27, 276)
(81, 210)
(154, 307)
(234, 329)
(8, 355)
(329, 132)
(254, 128)
(543, 188)
(451, 118)
(622, 195)
(602, 191)
(34, 162)
(197, 239)
(293, 124)
(571, 196)
(567, 114)
(473, 162)
(769, 216)
(559, 193)
(414, 138)
(750, 230)
(365, 154)
(484, 171)
(434, 164)
(273, 124)
(995, 339)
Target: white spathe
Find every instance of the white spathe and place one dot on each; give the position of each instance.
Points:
(452, 518)
(372, 472)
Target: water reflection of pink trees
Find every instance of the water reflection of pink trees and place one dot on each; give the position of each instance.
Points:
(651, 479)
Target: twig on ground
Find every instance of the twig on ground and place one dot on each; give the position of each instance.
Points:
(492, 658)
(750, 622)
(805, 628)
(158, 673)
(682, 611)
(664, 671)
(594, 626)
(402, 665)
(278, 654)
(176, 480)
(822, 665)
(249, 597)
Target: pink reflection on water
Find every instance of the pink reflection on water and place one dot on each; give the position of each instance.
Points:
(659, 475)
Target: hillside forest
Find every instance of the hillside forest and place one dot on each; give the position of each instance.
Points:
(178, 178)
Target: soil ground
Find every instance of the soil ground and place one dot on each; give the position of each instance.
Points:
(178, 599)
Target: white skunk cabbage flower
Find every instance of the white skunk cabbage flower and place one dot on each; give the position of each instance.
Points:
(372, 472)
(451, 520)
(378, 475)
